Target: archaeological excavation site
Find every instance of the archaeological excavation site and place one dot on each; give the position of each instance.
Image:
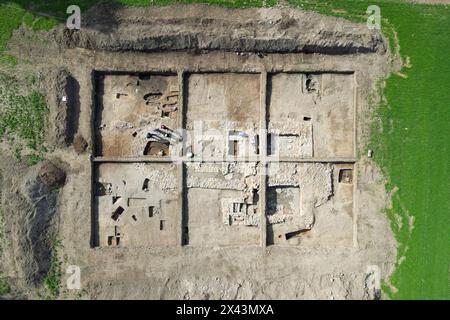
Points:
(262, 158)
(214, 153)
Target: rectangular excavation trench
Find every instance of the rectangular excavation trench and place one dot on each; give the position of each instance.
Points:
(300, 125)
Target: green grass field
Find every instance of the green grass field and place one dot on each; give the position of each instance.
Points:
(411, 144)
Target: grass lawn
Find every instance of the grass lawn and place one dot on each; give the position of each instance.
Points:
(411, 144)
(413, 149)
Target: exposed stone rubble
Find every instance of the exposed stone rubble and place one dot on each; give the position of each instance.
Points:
(136, 205)
(291, 138)
(313, 180)
(231, 176)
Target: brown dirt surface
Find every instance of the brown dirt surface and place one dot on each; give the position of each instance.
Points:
(205, 27)
(163, 38)
(80, 144)
(51, 175)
